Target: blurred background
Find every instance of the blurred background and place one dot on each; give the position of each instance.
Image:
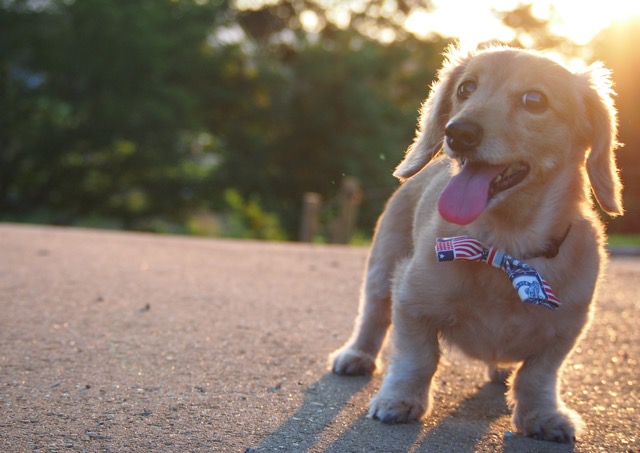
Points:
(220, 117)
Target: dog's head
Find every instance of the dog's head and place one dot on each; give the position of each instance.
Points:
(513, 118)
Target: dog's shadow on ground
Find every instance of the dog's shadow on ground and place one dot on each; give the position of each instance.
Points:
(332, 418)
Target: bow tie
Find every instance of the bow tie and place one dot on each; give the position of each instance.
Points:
(529, 284)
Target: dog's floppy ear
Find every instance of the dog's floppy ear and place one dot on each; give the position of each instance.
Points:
(434, 116)
(601, 162)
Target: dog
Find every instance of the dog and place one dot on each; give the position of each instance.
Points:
(509, 148)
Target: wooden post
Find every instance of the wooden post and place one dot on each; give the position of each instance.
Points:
(349, 199)
(310, 222)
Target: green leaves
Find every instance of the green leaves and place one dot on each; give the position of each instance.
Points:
(97, 96)
(164, 114)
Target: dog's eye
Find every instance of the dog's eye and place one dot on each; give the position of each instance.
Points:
(466, 89)
(534, 101)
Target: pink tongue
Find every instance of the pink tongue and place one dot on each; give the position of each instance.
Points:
(467, 193)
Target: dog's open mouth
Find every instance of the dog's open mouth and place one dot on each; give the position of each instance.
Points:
(512, 176)
(467, 194)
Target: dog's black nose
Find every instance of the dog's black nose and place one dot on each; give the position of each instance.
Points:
(463, 136)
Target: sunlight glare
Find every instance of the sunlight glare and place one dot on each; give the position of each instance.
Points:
(310, 21)
(253, 4)
(581, 20)
(475, 22)
(340, 16)
(470, 22)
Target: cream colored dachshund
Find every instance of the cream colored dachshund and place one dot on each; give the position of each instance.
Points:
(492, 242)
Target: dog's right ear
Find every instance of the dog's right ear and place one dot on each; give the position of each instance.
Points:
(434, 115)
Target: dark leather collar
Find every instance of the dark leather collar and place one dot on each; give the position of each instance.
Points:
(553, 247)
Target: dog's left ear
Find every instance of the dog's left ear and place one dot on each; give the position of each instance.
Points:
(434, 116)
(601, 162)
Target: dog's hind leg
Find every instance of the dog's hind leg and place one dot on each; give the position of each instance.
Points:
(392, 241)
(498, 374)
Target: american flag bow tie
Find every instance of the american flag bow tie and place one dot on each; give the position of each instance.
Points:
(529, 284)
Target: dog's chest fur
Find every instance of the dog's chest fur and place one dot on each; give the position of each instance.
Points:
(482, 315)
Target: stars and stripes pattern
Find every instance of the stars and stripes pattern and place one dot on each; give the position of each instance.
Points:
(528, 283)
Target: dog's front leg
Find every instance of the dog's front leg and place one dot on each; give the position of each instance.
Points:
(405, 392)
(392, 241)
(358, 355)
(538, 411)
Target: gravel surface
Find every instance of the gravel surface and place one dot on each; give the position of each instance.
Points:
(130, 342)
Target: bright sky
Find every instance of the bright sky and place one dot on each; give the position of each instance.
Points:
(473, 21)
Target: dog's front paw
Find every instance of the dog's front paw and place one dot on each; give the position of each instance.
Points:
(557, 426)
(352, 362)
(389, 410)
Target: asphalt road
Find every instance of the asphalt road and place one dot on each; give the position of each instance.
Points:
(130, 342)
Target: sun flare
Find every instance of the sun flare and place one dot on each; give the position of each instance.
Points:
(474, 22)
(582, 20)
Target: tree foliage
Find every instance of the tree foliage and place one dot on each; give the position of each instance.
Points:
(101, 104)
(532, 31)
(345, 106)
(153, 112)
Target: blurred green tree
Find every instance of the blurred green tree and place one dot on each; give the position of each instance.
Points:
(325, 108)
(101, 111)
(145, 114)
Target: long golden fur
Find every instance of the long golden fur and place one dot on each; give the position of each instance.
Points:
(556, 131)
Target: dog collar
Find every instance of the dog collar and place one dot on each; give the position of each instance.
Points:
(528, 283)
(553, 248)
